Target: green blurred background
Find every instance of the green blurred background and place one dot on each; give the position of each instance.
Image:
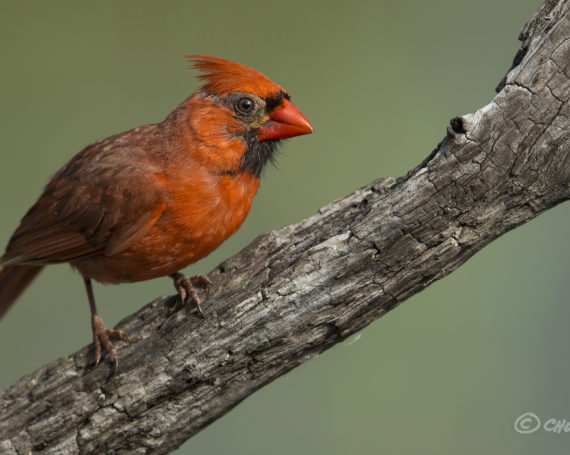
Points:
(451, 369)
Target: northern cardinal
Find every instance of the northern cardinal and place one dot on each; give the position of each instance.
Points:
(148, 202)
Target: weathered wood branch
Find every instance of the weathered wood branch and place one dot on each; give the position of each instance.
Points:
(295, 292)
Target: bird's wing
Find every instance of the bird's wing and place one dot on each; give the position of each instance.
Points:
(100, 203)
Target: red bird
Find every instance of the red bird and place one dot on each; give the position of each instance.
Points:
(148, 202)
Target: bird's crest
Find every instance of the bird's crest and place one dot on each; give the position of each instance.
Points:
(224, 77)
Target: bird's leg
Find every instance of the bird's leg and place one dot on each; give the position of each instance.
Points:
(101, 334)
(185, 287)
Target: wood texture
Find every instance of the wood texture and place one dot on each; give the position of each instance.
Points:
(295, 292)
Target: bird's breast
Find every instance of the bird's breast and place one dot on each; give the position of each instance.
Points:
(202, 211)
(209, 209)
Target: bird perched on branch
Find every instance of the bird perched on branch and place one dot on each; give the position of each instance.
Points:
(148, 202)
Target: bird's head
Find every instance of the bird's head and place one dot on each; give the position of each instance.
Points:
(257, 110)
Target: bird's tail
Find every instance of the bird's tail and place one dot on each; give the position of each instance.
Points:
(13, 281)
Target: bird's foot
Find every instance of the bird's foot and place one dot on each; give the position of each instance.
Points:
(102, 339)
(185, 287)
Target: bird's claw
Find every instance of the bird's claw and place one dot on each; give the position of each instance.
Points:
(102, 339)
(201, 280)
(185, 287)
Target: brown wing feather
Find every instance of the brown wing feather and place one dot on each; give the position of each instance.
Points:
(127, 235)
(102, 202)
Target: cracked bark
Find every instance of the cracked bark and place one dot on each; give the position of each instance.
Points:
(295, 292)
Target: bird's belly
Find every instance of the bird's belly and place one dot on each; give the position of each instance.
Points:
(190, 229)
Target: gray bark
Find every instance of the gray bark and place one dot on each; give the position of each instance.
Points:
(295, 292)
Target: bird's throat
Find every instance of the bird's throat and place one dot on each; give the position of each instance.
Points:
(257, 154)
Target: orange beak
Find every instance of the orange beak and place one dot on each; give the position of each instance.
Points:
(286, 121)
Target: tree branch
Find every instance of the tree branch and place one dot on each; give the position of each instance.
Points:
(295, 292)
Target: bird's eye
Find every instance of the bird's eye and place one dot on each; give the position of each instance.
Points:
(245, 105)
